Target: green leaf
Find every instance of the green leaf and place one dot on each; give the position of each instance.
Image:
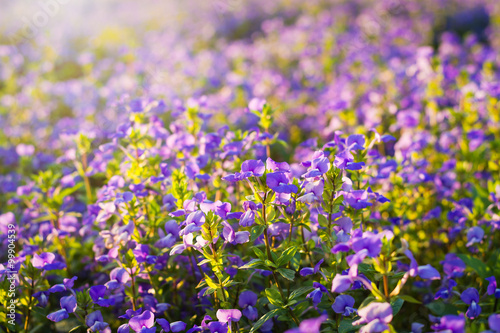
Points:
(269, 263)
(494, 262)
(346, 326)
(299, 292)
(256, 232)
(274, 297)
(477, 265)
(259, 253)
(410, 299)
(266, 317)
(378, 295)
(396, 306)
(322, 220)
(439, 308)
(287, 273)
(256, 263)
(286, 256)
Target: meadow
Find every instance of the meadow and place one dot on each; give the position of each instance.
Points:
(250, 166)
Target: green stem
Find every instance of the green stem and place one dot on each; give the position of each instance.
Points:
(217, 268)
(28, 313)
(88, 189)
(270, 257)
(133, 291)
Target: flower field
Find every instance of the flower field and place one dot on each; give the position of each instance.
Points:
(250, 166)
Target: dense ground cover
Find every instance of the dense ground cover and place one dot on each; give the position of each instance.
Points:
(291, 166)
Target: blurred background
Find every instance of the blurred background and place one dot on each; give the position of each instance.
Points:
(73, 65)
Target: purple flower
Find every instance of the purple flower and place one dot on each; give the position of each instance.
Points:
(417, 327)
(492, 287)
(25, 150)
(248, 218)
(344, 304)
(227, 315)
(97, 294)
(312, 325)
(217, 327)
(309, 270)
(68, 303)
(427, 272)
(385, 169)
(367, 241)
(145, 320)
(232, 237)
(413, 268)
(355, 165)
(356, 142)
(197, 218)
(445, 292)
(249, 168)
(255, 168)
(453, 266)
(66, 285)
(474, 235)
(129, 313)
(343, 158)
(341, 283)
(256, 104)
(277, 166)
(164, 324)
(95, 321)
(357, 199)
(125, 328)
(46, 261)
(494, 322)
(234, 177)
(178, 326)
(317, 293)
(450, 324)
(377, 316)
(247, 301)
(279, 182)
(470, 296)
(168, 240)
(118, 277)
(58, 315)
(42, 297)
(318, 166)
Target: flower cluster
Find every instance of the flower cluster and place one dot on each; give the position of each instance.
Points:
(318, 174)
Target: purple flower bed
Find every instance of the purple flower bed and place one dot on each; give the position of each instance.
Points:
(323, 166)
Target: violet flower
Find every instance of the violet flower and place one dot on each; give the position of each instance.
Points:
(96, 323)
(46, 261)
(492, 287)
(453, 266)
(312, 325)
(309, 270)
(178, 326)
(247, 301)
(427, 272)
(357, 199)
(143, 323)
(344, 304)
(376, 316)
(97, 294)
(228, 315)
(474, 235)
(279, 182)
(317, 293)
(66, 285)
(494, 323)
(450, 324)
(470, 296)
